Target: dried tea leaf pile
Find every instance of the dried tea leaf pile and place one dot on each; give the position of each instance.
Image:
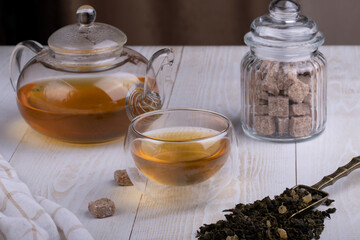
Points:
(270, 219)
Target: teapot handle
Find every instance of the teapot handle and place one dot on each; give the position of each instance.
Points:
(149, 96)
(16, 57)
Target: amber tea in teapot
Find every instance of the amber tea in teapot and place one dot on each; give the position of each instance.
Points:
(87, 86)
(93, 109)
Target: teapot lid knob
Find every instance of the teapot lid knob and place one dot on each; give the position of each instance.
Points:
(86, 14)
(87, 37)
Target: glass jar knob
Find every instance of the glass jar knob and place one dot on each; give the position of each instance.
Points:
(284, 10)
(85, 15)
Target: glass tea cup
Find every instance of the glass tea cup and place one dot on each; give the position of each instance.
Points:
(180, 156)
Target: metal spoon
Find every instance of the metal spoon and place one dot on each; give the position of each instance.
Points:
(327, 181)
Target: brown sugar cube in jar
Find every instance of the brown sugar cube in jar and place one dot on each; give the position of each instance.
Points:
(282, 126)
(307, 80)
(102, 208)
(300, 109)
(278, 106)
(259, 76)
(300, 126)
(261, 110)
(305, 73)
(260, 94)
(309, 99)
(264, 68)
(122, 178)
(298, 91)
(286, 79)
(260, 101)
(264, 125)
(269, 85)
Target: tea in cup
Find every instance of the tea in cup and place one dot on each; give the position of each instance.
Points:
(180, 154)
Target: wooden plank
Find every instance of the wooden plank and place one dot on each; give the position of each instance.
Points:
(338, 144)
(12, 127)
(209, 77)
(74, 174)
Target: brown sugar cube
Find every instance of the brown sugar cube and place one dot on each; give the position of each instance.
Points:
(262, 95)
(309, 98)
(267, 67)
(282, 126)
(122, 178)
(279, 106)
(269, 85)
(259, 76)
(286, 78)
(102, 208)
(260, 101)
(300, 126)
(261, 110)
(298, 91)
(300, 109)
(307, 80)
(256, 95)
(264, 125)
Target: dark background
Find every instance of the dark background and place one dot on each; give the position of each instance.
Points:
(172, 22)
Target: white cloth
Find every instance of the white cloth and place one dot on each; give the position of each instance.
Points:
(23, 216)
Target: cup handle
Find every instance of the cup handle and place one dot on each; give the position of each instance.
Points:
(16, 59)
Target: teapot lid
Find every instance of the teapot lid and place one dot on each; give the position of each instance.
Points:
(86, 36)
(284, 27)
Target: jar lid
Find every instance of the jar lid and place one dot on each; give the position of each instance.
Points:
(87, 36)
(284, 27)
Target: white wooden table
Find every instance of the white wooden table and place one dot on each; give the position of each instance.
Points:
(206, 77)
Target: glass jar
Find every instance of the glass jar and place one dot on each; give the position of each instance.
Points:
(283, 76)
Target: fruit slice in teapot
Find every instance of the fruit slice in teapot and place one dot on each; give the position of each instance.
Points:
(87, 86)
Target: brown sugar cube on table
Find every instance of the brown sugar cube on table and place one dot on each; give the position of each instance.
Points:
(298, 91)
(300, 126)
(264, 125)
(300, 109)
(122, 178)
(102, 208)
(278, 106)
(282, 126)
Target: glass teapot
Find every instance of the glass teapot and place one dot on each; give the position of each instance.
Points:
(87, 86)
